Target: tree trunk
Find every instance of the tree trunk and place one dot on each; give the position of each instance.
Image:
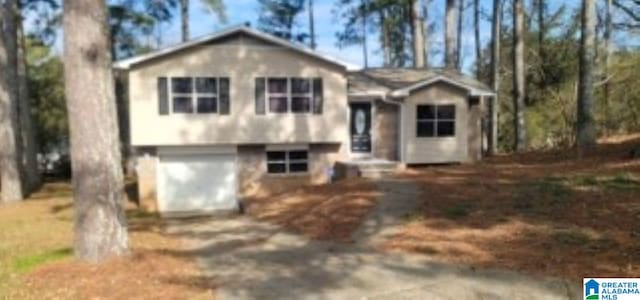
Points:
(386, 41)
(496, 33)
(28, 140)
(450, 35)
(425, 28)
(100, 224)
(184, 18)
(459, 35)
(312, 26)
(608, 52)
(418, 34)
(365, 50)
(10, 155)
(586, 129)
(541, 29)
(476, 26)
(520, 123)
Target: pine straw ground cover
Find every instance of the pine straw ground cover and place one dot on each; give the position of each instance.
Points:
(36, 258)
(324, 212)
(540, 213)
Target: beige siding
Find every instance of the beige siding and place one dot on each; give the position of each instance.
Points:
(436, 150)
(385, 131)
(242, 60)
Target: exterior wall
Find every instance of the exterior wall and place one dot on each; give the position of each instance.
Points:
(435, 150)
(474, 129)
(146, 165)
(252, 171)
(385, 131)
(242, 59)
(252, 168)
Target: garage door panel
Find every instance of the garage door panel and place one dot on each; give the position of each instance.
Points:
(197, 183)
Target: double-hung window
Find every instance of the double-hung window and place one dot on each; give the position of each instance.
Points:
(436, 120)
(278, 95)
(202, 95)
(290, 95)
(288, 161)
(301, 94)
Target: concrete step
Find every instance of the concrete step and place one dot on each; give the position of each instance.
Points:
(368, 168)
(376, 173)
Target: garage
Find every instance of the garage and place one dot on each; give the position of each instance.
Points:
(197, 183)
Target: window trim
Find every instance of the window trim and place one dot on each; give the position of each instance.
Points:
(194, 95)
(289, 95)
(436, 120)
(287, 161)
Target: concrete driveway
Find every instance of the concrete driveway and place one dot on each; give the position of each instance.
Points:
(252, 260)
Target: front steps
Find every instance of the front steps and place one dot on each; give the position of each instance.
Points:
(366, 168)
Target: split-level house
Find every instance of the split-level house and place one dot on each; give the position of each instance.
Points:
(216, 117)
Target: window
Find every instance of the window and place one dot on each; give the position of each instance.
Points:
(295, 95)
(198, 94)
(278, 90)
(301, 95)
(283, 162)
(181, 94)
(436, 120)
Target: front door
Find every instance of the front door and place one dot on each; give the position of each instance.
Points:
(360, 127)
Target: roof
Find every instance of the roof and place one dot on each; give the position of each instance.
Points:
(129, 62)
(400, 82)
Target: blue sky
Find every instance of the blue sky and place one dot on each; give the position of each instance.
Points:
(241, 11)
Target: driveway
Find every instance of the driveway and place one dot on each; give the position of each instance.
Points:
(252, 260)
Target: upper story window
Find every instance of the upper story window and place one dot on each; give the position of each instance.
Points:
(289, 95)
(436, 120)
(278, 95)
(191, 95)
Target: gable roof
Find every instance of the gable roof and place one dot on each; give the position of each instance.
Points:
(129, 62)
(400, 82)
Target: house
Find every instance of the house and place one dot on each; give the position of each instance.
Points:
(217, 117)
(592, 287)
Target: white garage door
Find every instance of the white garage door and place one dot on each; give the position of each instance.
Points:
(197, 183)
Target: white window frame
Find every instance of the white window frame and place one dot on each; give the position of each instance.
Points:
(287, 161)
(289, 95)
(436, 120)
(194, 95)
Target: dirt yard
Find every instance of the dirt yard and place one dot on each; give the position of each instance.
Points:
(324, 212)
(36, 258)
(539, 213)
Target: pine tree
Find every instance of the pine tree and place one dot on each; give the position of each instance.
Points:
(10, 154)
(98, 185)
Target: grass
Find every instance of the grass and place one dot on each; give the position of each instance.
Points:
(32, 235)
(571, 237)
(540, 213)
(27, 263)
(456, 211)
(618, 181)
(36, 260)
(538, 196)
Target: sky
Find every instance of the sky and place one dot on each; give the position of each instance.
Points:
(327, 24)
(238, 12)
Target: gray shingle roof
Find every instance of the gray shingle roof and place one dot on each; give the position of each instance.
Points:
(393, 79)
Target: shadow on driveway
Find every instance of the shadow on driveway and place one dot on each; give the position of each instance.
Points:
(252, 260)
